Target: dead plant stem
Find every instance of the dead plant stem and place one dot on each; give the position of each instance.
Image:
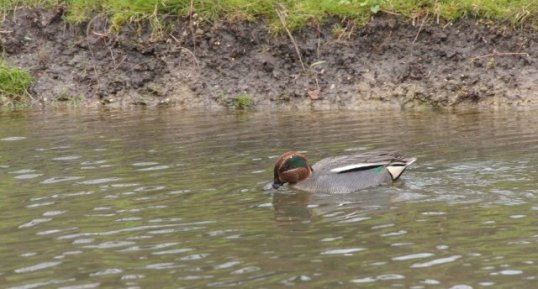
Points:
(282, 19)
(495, 53)
(421, 26)
(191, 26)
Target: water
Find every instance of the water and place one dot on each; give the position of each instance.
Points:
(169, 199)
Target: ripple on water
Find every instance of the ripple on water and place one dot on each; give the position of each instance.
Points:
(331, 239)
(23, 171)
(149, 188)
(54, 180)
(194, 257)
(27, 176)
(461, 286)
(55, 231)
(110, 245)
(342, 251)
(382, 226)
(354, 220)
(82, 286)
(110, 271)
(67, 158)
(383, 277)
(246, 270)
(430, 282)
(436, 262)
(163, 266)
(227, 265)
(433, 213)
(154, 168)
(412, 256)
(12, 138)
(508, 272)
(37, 267)
(34, 222)
(145, 164)
(83, 241)
(53, 213)
(92, 163)
(130, 277)
(164, 245)
(175, 251)
(296, 279)
(99, 181)
(392, 234)
(42, 284)
(130, 229)
(42, 204)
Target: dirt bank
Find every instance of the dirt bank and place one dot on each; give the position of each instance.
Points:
(388, 63)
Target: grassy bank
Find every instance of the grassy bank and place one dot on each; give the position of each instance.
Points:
(280, 15)
(297, 12)
(14, 83)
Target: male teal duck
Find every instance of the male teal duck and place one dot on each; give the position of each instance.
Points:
(340, 174)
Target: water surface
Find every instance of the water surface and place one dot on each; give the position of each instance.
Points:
(169, 199)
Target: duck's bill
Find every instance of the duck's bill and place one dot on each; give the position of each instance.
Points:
(277, 185)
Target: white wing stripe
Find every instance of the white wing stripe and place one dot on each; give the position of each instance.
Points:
(357, 166)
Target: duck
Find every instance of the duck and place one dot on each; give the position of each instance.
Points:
(339, 174)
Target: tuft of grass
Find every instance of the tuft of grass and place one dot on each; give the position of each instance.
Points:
(14, 82)
(242, 102)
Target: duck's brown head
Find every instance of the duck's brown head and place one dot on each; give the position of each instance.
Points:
(291, 167)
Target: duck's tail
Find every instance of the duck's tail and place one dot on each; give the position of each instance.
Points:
(397, 168)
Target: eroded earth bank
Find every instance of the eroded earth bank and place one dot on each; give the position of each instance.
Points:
(389, 63)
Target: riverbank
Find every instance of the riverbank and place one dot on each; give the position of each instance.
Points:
(390, 62)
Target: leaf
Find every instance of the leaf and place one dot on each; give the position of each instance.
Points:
(375, 9)
(313, 94)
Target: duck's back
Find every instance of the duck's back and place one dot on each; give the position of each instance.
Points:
(350, 173)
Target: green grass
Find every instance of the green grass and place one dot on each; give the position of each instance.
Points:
(298, 12)
(242, 102)
(14, 82)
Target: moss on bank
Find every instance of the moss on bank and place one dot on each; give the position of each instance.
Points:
(297, 12)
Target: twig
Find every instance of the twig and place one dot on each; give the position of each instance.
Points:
(194, 58)
(421, 25)
(92, 55)
(191, 25)
(6, 31)
(100, 34)
(495, 53)
(283, 21)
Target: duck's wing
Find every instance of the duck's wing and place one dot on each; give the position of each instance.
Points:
(392, 161)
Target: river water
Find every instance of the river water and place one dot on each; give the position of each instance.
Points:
(170, 199)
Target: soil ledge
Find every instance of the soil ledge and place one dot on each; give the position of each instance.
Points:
(389, 63)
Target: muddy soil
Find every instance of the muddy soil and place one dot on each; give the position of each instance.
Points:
(390, 63)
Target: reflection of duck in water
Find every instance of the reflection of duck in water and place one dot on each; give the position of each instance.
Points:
(292, 208)
(340, 174)
(298, 208)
